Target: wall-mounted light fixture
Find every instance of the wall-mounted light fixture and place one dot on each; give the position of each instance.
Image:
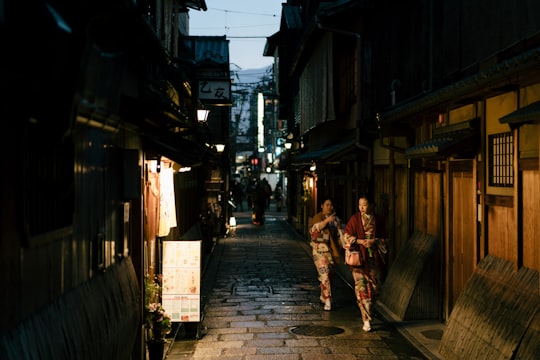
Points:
(220, 148)
(202, 115)
(313, 166)
(288, 145)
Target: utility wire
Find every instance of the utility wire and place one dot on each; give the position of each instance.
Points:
(246, 37)
(242, 12)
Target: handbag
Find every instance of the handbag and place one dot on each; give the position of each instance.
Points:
(353, 258)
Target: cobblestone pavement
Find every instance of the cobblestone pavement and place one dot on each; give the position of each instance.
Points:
(261, 301)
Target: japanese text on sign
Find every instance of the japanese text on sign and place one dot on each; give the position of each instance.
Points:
(182, 280)
(215, 90)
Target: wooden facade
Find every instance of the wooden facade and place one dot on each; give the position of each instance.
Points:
(90, 89)
(390, 187)
(446, 116)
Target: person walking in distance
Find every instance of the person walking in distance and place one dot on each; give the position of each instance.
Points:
(364, 232)
(267, 192)
(278, 195)
(323, 232)
(238, 195)
(259, 203)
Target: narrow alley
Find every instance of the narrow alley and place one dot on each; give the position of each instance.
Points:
(261, 298)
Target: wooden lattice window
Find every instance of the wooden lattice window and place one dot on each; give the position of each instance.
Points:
(501, 160)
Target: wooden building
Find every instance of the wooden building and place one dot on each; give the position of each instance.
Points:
(442, 99)
(99, 100)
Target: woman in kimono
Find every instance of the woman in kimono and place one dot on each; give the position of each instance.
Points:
(365, 233)
(324, 247)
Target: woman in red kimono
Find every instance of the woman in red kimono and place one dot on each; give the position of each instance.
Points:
(365, 233)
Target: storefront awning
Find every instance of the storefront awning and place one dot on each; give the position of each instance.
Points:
(529, 113)
(325, 153)
(461, 143)
(184, 152)
(459, 139)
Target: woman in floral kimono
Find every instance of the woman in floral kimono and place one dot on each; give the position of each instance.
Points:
(365, 233)
(324, 247)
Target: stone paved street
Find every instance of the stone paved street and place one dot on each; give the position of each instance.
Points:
(261, 299)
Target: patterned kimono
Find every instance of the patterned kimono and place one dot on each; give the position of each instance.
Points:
(322, 251)
(360, 227)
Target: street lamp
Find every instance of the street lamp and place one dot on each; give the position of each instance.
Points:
(220, 148)
(202, 115)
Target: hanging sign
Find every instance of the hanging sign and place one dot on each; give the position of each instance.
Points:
(216, 90)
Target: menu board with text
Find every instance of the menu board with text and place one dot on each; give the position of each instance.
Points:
(181, 295)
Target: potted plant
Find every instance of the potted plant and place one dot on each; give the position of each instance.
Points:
(157, 321)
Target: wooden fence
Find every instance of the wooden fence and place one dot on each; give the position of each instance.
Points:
(496, 316)
(98, 320)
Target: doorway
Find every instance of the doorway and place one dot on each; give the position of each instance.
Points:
(462, 228)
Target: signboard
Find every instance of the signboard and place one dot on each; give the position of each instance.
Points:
(181, 294)
(216, 90)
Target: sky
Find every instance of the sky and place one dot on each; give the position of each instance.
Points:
(245, 23)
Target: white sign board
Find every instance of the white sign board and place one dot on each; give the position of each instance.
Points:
(215, 90)
(181, 294)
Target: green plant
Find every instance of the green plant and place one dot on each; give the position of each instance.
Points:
(158, 322)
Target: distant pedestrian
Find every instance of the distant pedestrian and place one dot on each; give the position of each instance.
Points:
(238, 195)
(278, 196)
(250, 191)
(267, 192)
(365, 233)
(259, 203)
(324, 239)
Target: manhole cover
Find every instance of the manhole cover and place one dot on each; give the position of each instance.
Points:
(316, 330)
(433, 334)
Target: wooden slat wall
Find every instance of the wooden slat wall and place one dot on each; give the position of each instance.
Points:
(493, 313)
(46, 269)
(461, 258)
(502, 232)
(425, 300)
(400, 291)
(427, 195)
(530, 346)
(74, 327)
(530, 216)
(401, 230)
(395, 197)
(316, 101)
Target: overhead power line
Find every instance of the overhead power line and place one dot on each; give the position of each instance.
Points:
(242, 12)
(246, 37)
